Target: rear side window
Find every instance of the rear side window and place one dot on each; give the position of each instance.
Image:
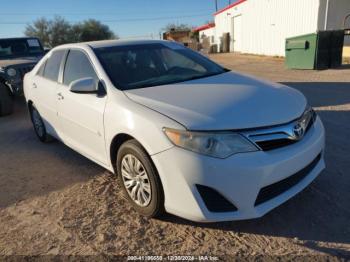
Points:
(78, 66)
(53, 64)
(41, 69)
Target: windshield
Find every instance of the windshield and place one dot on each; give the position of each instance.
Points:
(138, 66)
(13, 48)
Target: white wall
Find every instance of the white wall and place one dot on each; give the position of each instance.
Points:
(207, 32)
(267, 23)
(223, 21)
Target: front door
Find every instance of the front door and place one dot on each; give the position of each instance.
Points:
(81, 115)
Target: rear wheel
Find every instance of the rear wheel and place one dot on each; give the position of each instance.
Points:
(39, 126)
(139, 179)
(6, 101)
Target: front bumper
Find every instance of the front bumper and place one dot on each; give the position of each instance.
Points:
(238, 178)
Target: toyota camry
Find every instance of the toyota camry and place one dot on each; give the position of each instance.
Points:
(181, 133)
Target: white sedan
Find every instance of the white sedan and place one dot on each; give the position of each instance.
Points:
(182, 134)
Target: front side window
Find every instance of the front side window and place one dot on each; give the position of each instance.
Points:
(145, 65)
(78, 66)
(53, 64)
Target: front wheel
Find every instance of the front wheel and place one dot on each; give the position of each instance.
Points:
(139, 179)
(39, 126)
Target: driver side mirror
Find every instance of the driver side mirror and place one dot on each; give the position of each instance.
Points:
(84, 86)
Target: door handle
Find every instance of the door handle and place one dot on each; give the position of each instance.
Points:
(60, 96)
(34, 85)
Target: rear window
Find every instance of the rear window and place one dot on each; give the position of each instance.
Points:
(53, 64)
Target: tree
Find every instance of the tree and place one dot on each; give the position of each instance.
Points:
(92, 30)
(41, 29)
(59, 31)
(175, 27)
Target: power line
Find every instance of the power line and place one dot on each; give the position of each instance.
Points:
(98, 13)
(119, 20)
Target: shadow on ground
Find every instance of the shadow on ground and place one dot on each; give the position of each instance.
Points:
(29, 168)
(321, 94)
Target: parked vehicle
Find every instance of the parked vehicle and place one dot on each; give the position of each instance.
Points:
(18, 56)
(183, 134)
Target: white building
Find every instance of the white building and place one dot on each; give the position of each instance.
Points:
(207, 30)
(261, 26)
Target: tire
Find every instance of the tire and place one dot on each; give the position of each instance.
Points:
(39, 126)
(149, 179)
(6, 101)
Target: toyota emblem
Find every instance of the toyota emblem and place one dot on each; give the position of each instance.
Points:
(298, 131)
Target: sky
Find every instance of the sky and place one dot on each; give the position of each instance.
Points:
(127, 18)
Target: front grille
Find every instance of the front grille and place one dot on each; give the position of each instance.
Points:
(273, 190)
(274, 144)
(214, 201)
(23, 70)
(278, 136)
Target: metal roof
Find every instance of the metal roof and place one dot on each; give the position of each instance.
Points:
(230, 6)
(203, 27)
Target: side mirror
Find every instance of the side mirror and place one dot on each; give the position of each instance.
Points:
(84, 86)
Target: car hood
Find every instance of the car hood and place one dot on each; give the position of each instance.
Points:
(19, 61)
(223, 102)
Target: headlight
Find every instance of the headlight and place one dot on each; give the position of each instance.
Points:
(219, 145)
(308, 117)
(11, 72)
(2, 70)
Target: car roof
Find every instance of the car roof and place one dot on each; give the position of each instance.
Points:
(110, 43)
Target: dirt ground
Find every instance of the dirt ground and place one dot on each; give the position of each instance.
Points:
(55, 202)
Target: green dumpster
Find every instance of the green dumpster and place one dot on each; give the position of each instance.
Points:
(301, 52)
(319, 50)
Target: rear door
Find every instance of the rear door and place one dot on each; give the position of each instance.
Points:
(44, 89)
(81, 115)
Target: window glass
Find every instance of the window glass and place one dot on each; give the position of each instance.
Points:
(11, 48)
(41, 69)
(78, 66)
(139, 66)
(52, 67)
(173, 59)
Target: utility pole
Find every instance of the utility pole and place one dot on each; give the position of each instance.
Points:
(216, 5)
(326, 16)
(229, 2)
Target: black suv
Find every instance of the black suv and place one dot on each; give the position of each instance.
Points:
(18, 56)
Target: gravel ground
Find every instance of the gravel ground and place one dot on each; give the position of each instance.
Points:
(55, 202)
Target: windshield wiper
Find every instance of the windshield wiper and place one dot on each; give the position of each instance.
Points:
(203, 76)
(155, 81)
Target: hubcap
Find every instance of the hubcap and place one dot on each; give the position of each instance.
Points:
(136, 181)
(38, 124)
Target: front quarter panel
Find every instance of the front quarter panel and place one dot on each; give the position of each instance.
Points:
(123, 116)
